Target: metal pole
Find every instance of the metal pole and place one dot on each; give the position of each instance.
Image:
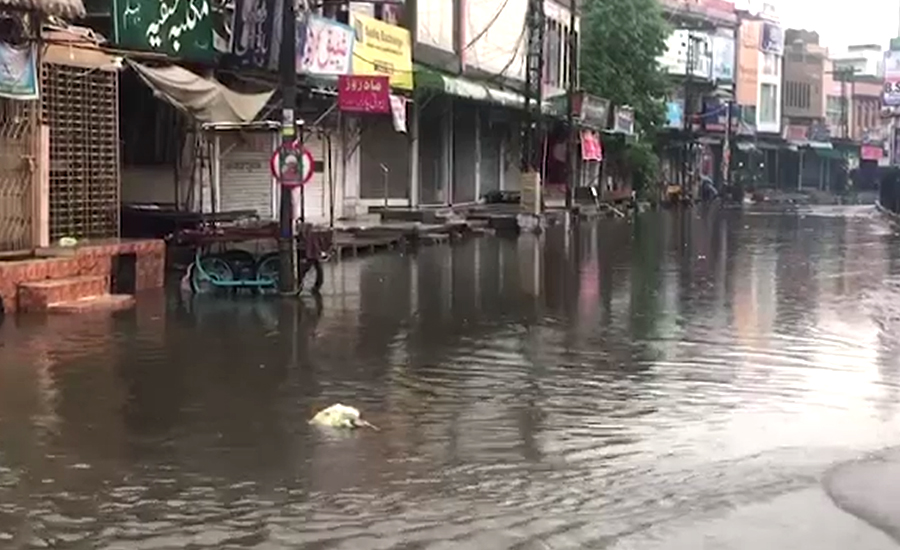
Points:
(286, 242)
(688, 122)
(571, 143)
(728, 146)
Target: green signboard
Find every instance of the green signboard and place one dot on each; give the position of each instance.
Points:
(179, 28)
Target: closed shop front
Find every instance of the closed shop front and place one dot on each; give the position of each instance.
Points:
(434, 119)
(245, 178)
(491, 145)
(384, 162)
(465, 153)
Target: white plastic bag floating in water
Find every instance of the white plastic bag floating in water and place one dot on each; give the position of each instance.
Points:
(340, 416)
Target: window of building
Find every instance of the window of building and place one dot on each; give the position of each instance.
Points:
(768, 103)
(552, 52)
(770, 64)
(557, 57)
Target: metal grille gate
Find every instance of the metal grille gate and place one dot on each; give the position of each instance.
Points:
(17, 174)
(80, 106)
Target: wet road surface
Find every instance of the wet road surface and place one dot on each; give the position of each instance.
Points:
(720, 381)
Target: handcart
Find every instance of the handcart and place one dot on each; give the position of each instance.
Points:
(219, 265)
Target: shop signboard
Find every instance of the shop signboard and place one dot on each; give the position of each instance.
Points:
(623, 120)
(253, 30)
(382, 49)
(324, 47)
(180, 28)
(891, 97)
(364, 94)
(591, 110)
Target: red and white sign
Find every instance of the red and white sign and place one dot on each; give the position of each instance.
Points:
(364, 94)
(590, 146)
(325, 47)
(292, 165)
(871, 152)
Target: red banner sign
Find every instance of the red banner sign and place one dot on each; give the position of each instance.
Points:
(590, 146)
(364, 94)
(871, 152)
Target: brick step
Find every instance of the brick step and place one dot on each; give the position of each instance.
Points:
(40, 295)
(106, 302)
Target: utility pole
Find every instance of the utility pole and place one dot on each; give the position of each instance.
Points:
(534, 74)
(727, 147)
(687, 115)
(287, 245)
(572, 142)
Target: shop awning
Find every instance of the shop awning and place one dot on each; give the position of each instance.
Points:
(817, 145)
(204, 99)
(830, 154)
(466, 88)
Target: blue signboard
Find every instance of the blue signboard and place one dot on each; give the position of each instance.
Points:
(674, 114)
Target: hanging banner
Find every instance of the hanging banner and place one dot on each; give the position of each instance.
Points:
(253, 31)
(398, 112)
(383, 49)
(723, 58)
(590, 146)
(364, 94)
(891, 97)
(623, 120)
(675, 114)
(771, 39)
(18, 72)
(324, 47)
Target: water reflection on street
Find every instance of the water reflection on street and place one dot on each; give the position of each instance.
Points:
(563, 391)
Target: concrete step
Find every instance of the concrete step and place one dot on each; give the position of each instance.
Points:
(40, 295)
(106, 302)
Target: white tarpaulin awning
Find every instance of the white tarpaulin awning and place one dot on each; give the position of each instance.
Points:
(204, 99)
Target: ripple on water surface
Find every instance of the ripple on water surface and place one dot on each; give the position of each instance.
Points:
(530, 394)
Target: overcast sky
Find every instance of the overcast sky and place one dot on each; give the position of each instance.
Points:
(843, 22)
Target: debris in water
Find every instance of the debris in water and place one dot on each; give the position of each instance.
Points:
(341, 416)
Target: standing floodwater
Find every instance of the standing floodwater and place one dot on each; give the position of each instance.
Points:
(638, 385)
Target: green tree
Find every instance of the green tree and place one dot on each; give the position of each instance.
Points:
(621, 41)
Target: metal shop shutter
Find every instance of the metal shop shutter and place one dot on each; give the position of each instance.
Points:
(246, 180)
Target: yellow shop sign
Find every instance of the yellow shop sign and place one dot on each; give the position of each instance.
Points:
(382, 49)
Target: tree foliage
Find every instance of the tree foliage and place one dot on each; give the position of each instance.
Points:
(621, 42)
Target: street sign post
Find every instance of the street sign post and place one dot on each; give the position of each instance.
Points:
(292, 165)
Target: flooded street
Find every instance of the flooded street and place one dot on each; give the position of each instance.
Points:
(683, 381)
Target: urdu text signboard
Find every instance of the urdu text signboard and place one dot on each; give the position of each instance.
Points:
(364, 94)
(324, 47)
(382, 49)
(180, 28)
(253, 33)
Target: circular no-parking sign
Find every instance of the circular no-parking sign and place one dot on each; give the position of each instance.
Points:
(292, 164)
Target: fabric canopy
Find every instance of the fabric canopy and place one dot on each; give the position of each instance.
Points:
(65, 9)
(204, 99)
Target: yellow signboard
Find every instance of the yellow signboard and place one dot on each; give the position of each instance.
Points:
(382, 49)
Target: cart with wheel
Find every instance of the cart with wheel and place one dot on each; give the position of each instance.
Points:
(218, 266)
